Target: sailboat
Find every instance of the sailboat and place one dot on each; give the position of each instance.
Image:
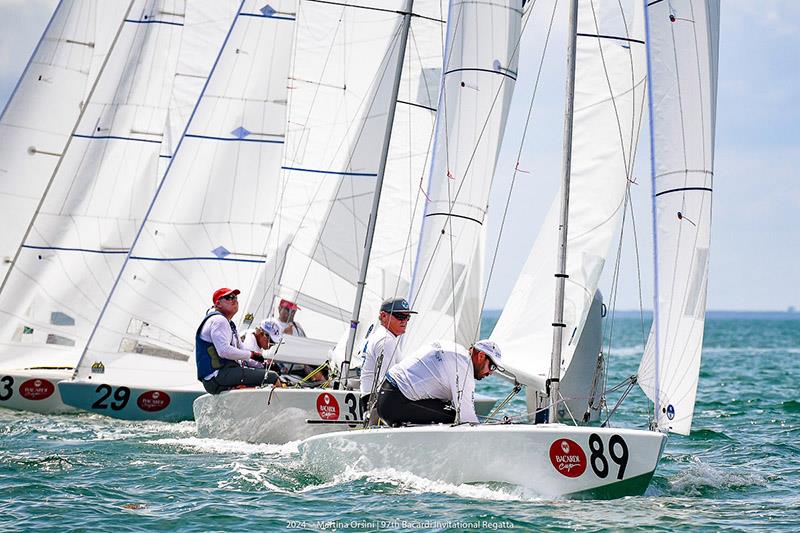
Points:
(89, 172)
(558, 460)
(361, 112)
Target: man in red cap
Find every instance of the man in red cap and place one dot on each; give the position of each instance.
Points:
(222, 362)
(286, 311)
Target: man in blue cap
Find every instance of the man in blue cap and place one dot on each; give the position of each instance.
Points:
(381, 349)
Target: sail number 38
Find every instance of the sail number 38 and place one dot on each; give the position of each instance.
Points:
(617, 451)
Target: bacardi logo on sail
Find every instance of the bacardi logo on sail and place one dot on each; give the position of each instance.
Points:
(153, 400)
(327, 407)
(36, 389)
(568, 457)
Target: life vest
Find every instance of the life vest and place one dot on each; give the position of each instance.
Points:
(206, 356)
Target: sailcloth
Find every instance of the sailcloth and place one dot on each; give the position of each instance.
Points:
(340, 97)
(104, 183)
(609, 97)
(41, 113)
(683, 53)
(208, 222)
(480, 70)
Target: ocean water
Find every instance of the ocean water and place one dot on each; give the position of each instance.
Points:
(738, 470)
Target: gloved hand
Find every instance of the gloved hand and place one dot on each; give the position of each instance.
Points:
(255, 356)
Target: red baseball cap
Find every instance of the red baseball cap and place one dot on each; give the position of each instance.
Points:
(219, 293)
(288, 304)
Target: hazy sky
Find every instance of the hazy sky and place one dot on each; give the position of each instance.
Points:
(755, 253)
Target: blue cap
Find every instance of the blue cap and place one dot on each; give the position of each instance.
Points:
(397, 305)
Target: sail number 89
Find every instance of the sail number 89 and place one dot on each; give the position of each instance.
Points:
(617, 451)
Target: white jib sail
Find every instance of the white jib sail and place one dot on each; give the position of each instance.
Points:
(42, 111)
(683, 49)
(480, 70)
(88, 218)
(609, 97)
(339, 101)
(209, 219)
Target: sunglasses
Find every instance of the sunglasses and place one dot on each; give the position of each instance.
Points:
(402, 317)
(231, 297)
(492, 366)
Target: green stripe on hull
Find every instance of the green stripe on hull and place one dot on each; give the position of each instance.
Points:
(634, 486)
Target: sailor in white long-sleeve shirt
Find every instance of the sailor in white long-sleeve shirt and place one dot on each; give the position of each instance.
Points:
(381, 348)
(428, 387)
(222, 361)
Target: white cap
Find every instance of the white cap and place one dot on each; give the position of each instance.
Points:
(492, 351)
(273, 329)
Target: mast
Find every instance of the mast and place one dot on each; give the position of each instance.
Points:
(66, 146)
(566, 168)
(376, 198)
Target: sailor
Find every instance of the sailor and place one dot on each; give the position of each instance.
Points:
(381, 349)
(431, 385)
(222, 362)
(286, 312)
(266, 335)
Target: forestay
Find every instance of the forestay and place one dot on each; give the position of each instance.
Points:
(609, 98)
(480, 70)
(341, 86)
(103, 185)
(684, 51)
(208, 222)
(40, 115)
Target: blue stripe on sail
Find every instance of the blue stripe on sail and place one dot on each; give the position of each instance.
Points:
(338, 173)
(63, 249)
(260, 16)
(154, 22)
(115, 137)
(233, 139)
(210, 258)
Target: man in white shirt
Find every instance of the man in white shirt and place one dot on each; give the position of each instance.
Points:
(435, 383)
(222, 362)
(381, 348)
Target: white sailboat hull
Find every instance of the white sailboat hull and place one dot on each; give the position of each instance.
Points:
(34, 390)
(280, 415)
(553, 460)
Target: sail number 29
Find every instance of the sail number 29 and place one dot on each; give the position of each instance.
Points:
(617, 451)
(121, 397)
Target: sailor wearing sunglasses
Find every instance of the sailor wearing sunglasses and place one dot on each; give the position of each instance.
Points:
(222, 361)
(426, 387)
(381, 348)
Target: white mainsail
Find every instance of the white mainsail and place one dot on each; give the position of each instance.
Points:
(40, 115)
(339, 108)
(609, 98)
(87, 220)
(480, 70)
(208, 222)
(683, 49)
